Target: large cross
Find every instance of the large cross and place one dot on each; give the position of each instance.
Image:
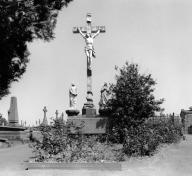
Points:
(45, 111)
(89, 32)
(56, 114)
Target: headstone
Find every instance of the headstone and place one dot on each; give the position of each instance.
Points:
(186, 119)
(13, 117)
(45, 122)
(56, 114)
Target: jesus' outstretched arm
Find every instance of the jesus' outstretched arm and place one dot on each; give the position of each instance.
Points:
(97, 33)
(83, 35)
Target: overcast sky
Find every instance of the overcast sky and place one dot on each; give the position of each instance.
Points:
(156, 34)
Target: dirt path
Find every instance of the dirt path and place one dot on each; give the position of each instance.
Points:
(13, 157)
(172, 160)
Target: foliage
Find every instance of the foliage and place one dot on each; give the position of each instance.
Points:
(59, 145)
(3, 121)
(21, 21)
(146, 138)
(132, 100)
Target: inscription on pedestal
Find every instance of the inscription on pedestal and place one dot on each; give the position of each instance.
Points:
(91, 125)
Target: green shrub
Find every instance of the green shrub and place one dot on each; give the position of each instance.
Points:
(132, 100)
(59, 145)
(146, 138)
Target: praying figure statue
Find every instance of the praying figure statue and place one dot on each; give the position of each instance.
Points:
(89, 49)
(73, 96)
(104, 95)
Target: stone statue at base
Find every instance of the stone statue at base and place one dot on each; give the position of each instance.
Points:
(105, 96)
(73, 96)
(72, 111)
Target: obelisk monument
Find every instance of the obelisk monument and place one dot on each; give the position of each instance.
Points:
(13, 117)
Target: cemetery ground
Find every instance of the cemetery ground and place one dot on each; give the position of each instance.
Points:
(174, 159)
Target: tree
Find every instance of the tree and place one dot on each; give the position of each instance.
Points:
(132, 100)
(21, 21)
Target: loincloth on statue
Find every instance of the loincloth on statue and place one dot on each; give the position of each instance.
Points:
(88, 49)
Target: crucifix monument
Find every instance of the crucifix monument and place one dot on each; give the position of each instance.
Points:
(89, 32)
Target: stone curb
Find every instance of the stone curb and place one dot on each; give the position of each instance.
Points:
(74, 166)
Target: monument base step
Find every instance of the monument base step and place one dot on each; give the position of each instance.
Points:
(110, 166)
(14, 135)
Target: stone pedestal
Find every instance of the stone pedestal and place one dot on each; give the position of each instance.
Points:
(91, 125)
(186, 119)
(13, 133)
(89, 110)
(72, 112)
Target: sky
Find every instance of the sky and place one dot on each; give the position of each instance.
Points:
(155, 34)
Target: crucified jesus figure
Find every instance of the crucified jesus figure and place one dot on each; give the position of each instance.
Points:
(89, 49)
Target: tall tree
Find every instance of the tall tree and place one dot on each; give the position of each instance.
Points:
(21, 21)
(132, 100)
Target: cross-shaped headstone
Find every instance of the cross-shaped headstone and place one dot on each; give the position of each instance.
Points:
(45, 111)
(45, 122)
(56, 113)
(89, 32)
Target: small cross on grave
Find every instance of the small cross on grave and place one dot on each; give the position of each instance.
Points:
(56, 114)
(45, 111)
(45, 122)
